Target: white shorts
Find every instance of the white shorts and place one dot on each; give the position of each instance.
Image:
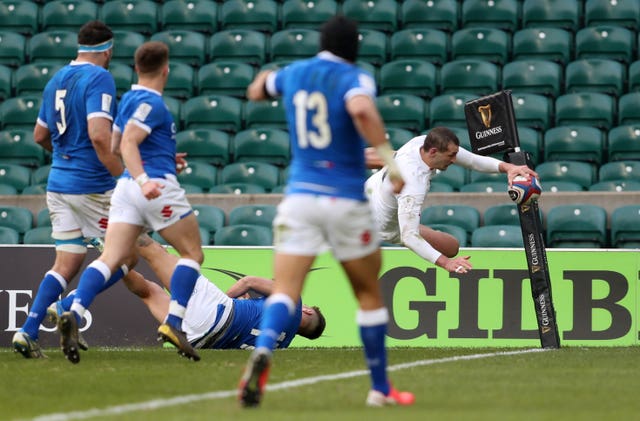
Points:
(128, 204)
(88, 213)
(306, 224)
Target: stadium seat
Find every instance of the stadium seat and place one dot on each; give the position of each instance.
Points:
(19, 16)
(192, 15)
(294, 44)
(257, 15)
(199, 174)
(262, 145)
(497, 236)
(531, 142)
(38, 235)
(502, 214)
(438, 14)
(409, 76)
(625, 226)
(555, 186)
(125, 44)
(544, 43)
(131, 15)
(213, 112)
(403, 110)
(224, 78)
(210, 217)
(260, 173)
(53, 46)
(634, 76)
(67, 15)
(501, 14)
(463, 136)
(379, 15)
(437, 187)
(185, 46)
(35, 189)
(18, 147)
(42, 218)
(608, 12)
(484, 187)
(595, 75)
(543, 77)
(616, 186)
(587, 108)
(9, 236)
(490, 44)
(32, 78)
(477, 176)
(629, 108)
(466, 217)
(623, 142)
(192, 189)
(577, 172)
(532, 110)
(252, 214)
(17, 218)
(619, 170)
(237, 188)
(606, 41)
(398, 137)
(175, 108)
(577, 226)
(448, 110)
(243, 235)
(244, 45)
(40, 175)
(373, 46)
(7, 190)
(420, 43)
(265, 114)
(205, 145)
(20, 112)
(123, 76)
(307, 14)
(475, 76)
(459, 233)
(574, 143)
(563, 14)
(12, 48)
(454, 176)
(181, 82)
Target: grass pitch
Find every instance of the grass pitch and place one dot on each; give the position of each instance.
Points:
(324, 384)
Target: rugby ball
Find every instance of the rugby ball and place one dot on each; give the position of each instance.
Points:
(524, 190)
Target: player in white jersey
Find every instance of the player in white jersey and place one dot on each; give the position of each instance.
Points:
(331, 115)
(398, 215)
(146, 197)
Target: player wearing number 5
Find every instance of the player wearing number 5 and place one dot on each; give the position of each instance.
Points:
(330, 114)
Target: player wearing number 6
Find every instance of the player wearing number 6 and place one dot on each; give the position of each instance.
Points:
(331, 113)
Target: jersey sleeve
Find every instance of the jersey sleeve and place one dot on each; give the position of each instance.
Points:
(148, 115)
(101, 96)
(362, 84)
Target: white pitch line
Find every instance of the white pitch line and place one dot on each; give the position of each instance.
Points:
(181, 400)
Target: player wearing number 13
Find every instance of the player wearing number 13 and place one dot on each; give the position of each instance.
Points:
(330, 114)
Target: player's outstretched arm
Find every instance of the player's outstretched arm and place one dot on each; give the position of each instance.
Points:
(243, 285)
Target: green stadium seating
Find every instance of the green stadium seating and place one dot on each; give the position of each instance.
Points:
(577, 226)
(619, 170)
(373, 46)
(448, 110)
(192, 15)
(35, 189)
(237, 188)
(532, 110)
(224, 78)
(68, 15)
(17, 218)
(7, 190)
(484, 187)
(420, 43)
(242, 45)
(9, 236)
(185, 46)
(555, 186)
(497, 236)
(438, 14)
(629, 108)
(31, 78)
(42, 218)
(608, 12)
(490, 44)
(38, 235)
(404, 111)
(210, 218)
(12, 48)
(19, 16)
(454, 176)
(123, 76)
(259, 173)
(175, 108)
(531, 142)
(294, 44)
(577, 172)
(18, 147)
(625, 226)
(475, 76)
(463, 216)
(595, 75)
(574, 143)
(501, 214)
(398, 137)
(563, 14)
(53, 46)
(476, 176)
(459, 233)
(40, 175)
(253, 214)
(623, 142)
(213, 112)
(307, 14)
(606, 41)
(437, 187)
(544, 43)
(616, 186)
(586, 108)
(534, 76)
(262, 145)
(199, 174)
(409, 76)
(20, 112)
(257, 15)
(131, 15)
(379, 15)
(265, 114)
(243, 235)
(501, 14)
(181, 82)
(125, 44)
(205, 145)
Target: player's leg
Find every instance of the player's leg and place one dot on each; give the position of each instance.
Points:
(444, 242)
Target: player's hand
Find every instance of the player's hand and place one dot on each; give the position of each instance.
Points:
(152, 190)
(520, 170)
(457, 264)
(181, 162)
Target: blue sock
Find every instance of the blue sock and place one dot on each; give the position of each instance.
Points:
(373, 338)
(68, 300)
(48, 292)
(276, 316)
(91, 284)
(183, 280)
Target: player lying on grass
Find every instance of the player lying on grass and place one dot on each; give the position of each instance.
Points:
(213, 320)
(398, 215)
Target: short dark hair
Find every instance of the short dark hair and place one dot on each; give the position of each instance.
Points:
(440, 138)
(93, 33)
(319, 329)
(151, 56)
(339, 35)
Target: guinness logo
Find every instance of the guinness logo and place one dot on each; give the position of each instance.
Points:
(485, 113)
(546, 329)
